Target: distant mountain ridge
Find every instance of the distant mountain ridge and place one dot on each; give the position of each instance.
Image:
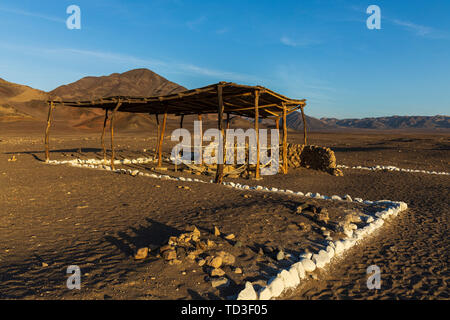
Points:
(295, 122)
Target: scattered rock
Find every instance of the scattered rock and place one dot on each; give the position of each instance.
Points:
(230, 236)
(238, 270)
(175, 262)
(169, 254)
(201, 262)
(214, 262)
(227, 258)
(141, 254)
(280, 255)
(217, 272)
(219, 283)
(216, 231)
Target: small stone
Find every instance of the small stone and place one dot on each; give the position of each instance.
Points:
(166, 247)
(169, 254)
(227, 258)
(280, 255)
(201, 262)
(221, 282)
(141, 254)
(216, 231)
(210, 243)
(44, 264)
(230, 236)
(175, 262)
(217, 272)
(238, 270)
(214, 262)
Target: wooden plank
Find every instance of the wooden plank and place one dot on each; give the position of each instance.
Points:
(304, 126)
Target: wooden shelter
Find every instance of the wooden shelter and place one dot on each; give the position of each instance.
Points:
(221, 98)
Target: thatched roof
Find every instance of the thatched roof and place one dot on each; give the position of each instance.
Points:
(237, 99)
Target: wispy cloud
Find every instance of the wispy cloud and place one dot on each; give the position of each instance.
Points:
(298, 43)
(32, 14)
(416, 28)
(169, 67)
(192, 24)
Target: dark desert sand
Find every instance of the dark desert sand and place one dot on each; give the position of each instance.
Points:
(55, 216)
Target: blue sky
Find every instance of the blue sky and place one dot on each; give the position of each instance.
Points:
(316, 49)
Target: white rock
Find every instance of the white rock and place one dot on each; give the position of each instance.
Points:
(339, 247)
(248, 293)
(300, 270)
(305, 255)
(265, 294)
(335, 197)
(348, 198)
(276, 286)
(293, 271)
(330, 251)
(288, 281)
(308, 265)
(321, 258)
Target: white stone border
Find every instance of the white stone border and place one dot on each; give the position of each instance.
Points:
(286, 278)
(392, 168)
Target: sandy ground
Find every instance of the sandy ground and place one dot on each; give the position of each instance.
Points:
(55, 216)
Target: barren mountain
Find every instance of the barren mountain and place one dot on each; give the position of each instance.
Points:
(138, 82)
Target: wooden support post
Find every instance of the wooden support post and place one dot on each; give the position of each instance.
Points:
(304, 125)
(257, 177)
(181, 121)
(111, 125)
(228, 121)
(103, 135)
(277, 123)
(161, 140)
(219, 172)
(47, 131)
(157, 135)
(285, 165)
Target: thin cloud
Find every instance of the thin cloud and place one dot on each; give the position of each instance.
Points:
(172, 67)
(416, 28)
(194, 23)
(32, 14)
(297, 43)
